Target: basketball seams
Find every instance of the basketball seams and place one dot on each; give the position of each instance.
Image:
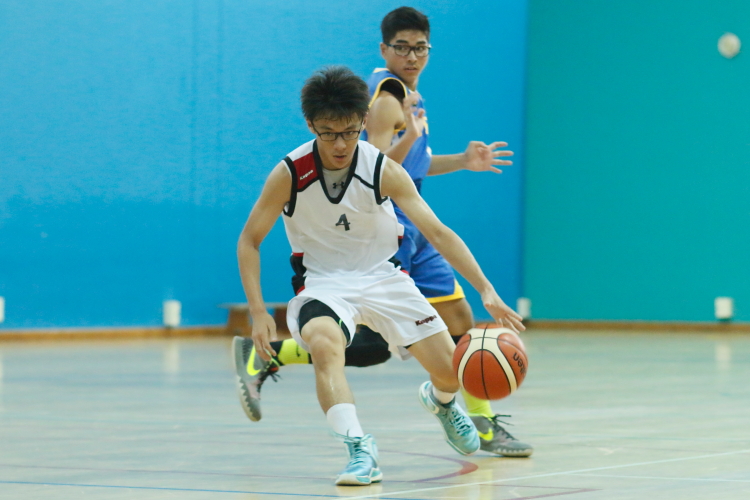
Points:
(494, 348)
(464, 361)
(481, 364)
(483, 378)
(510, 350)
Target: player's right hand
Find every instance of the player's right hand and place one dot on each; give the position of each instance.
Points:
(499, 310)
(414, 122)
(264, 331)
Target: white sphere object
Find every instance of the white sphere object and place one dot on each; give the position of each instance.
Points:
(729, 45)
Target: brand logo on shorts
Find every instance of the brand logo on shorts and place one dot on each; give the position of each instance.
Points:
(426, 320)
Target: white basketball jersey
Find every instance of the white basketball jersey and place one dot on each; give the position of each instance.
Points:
(352, 234)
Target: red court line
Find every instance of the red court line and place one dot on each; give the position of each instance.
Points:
(200, 490)
(230, 474)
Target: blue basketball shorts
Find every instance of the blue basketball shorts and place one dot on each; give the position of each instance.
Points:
(430, 271)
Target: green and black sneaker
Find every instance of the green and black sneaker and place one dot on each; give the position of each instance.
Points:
(252, 371)
(495, 439)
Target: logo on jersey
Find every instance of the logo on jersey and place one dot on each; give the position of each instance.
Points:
(343, 222)
(426, 320)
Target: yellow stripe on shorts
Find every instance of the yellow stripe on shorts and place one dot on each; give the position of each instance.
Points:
(458, 293)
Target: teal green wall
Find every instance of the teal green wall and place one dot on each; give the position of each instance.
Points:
(638, 160)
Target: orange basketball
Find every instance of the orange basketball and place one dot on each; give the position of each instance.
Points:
(490, 361)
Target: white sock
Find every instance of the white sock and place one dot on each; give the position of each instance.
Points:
(443, 397)
(343, 418)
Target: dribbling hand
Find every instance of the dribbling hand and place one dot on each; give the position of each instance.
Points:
(504, 315)
(264, 331)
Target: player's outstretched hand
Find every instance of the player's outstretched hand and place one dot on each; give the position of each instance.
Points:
(481, 157)
(503, 314)
(264, 331)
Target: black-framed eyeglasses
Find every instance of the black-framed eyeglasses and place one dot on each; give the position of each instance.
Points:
(403, 50)
(349, 135)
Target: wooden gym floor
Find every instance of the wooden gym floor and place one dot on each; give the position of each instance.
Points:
(612, 416)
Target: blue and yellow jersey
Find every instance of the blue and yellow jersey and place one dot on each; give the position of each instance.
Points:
(430, 271)
(417, 162)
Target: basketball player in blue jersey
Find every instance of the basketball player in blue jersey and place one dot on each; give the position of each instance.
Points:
(336, 195)
(397, 125)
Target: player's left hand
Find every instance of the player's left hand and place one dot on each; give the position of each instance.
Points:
(481, 157)
(499, 310)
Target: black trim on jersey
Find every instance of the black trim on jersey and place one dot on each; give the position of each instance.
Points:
(298, 279)
(394, 86)
(289, 209)
(349, 175)
(376, 179)
(364, 182)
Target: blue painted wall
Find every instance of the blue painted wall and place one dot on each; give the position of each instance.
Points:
(638, 179)
(135, 137)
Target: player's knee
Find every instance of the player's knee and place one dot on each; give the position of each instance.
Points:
(457, 316)
(324, 338)
(458, 326)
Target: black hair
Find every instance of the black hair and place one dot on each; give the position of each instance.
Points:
(333, 93)
(403, 18)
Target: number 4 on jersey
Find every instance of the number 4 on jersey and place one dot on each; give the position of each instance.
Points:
(343, 222)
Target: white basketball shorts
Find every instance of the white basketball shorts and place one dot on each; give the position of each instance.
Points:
(389, 304)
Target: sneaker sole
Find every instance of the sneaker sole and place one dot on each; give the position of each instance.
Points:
(352, 480)
(422, 397)
(506, 452)
(242, 390)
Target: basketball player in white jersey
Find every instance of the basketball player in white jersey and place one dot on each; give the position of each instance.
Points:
(397, 125)
(335, 193)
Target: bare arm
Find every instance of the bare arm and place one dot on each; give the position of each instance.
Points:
(387, 114)
(397, 184)
(263, 216)
(478, 157)
(445, 164)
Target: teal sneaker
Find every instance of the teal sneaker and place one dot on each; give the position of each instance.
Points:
(251, 371)
(497, 440)
(459, 430)
(363, 462)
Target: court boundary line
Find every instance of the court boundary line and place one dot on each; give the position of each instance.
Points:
(698, 479)
(551, 474)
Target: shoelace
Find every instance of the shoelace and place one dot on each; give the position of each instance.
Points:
(495, 420)
(460, 422)
(359, 453)
(360, 457)
(271, 370)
